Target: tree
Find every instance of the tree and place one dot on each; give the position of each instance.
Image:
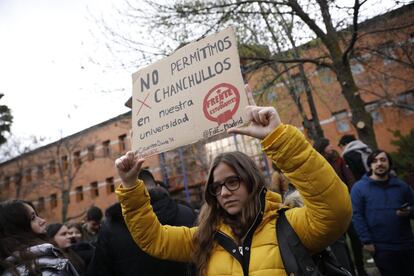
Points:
(385, 55)
(6, 120)
(403, 158)
(283, 73)
(336, 36)
(67, 161)
(65, 166)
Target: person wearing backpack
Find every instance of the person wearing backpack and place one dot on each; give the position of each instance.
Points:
(235, 233)
(355, 153)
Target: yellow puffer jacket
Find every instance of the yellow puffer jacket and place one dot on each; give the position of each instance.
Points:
(324, 218)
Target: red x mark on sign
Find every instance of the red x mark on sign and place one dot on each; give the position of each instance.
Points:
(143, 103)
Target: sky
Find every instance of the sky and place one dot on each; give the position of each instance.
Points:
(46, 75)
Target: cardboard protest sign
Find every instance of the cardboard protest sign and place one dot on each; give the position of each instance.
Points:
(194, 94)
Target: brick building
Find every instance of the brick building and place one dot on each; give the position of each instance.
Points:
(79, 169)
(382, 64)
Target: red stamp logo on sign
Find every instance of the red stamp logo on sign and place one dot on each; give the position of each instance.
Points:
(221, 103)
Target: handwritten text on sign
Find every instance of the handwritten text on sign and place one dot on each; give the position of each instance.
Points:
(195, 93)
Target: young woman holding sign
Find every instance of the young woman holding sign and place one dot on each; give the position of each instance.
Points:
(238, 211)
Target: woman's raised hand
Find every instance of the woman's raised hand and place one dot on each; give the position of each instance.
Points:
(128, 167)
(262, 121)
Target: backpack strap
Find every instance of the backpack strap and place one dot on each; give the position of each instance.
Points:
(295, 257)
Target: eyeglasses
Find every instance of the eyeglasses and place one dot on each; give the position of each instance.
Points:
(232, 183)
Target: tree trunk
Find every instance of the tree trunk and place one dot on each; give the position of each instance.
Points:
(315, 126)
(65, 205)
(361, 119)
(307, 124)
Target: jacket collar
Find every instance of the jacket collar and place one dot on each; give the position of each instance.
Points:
(270, 203)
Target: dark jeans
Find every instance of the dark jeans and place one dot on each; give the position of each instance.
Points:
(395, 263)
(356, 248)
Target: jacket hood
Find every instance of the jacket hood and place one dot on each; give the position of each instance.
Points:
(355, 145)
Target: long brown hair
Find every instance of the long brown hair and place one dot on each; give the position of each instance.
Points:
(16, 235)
(211, 214)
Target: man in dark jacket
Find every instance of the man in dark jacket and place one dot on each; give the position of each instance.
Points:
(92, 224)
(117, 253)
(383, 207)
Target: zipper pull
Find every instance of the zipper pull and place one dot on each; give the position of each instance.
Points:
(241, 250)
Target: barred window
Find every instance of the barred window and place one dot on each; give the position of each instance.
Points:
(91, 152)
(122, 143)
(94, 189)
(106, 148)
(110, 186)
(53, 201)
(79, 193)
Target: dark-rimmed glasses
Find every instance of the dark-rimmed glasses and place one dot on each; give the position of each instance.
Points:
(232, 183)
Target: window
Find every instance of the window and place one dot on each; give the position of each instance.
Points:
(342, 122)
(357, 68)
(77, 161)
(28, 175)
(94, 189)
(271, 96)
(52, 167)
(91, 153)
(7, 182)
(79, 193)
(53, 201)
(386, 50)
(372, 108)
(248, 145)
(122, 142)
(106, 148)
(40, 204)
(406, 99)
(325, 75)
(110, 186)
(39, 171)
(298, 85)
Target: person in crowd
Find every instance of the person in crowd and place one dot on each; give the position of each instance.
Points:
(83, 249)
(383, 207)
(24, 247)
(59, 235)
(324, 147)
(75, 232)
(118, 254)
(92, 224)
(355, 154)
(338, 248)
(168, 211)
(235, 234)
(279, 183)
